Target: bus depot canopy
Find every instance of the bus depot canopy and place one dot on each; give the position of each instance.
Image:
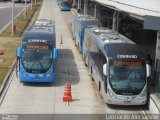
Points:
(136, 8)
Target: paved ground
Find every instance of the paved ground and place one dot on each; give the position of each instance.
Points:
(6, 12)
(47, 98)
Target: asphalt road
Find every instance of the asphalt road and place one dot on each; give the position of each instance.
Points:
(6, 12)
(44, 101)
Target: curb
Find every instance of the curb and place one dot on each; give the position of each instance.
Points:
(6, 82)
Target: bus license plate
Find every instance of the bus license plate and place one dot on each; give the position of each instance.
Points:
(127, 102)
(35, 78)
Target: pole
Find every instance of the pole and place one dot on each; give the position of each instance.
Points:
(157, 55)
(26, 8)
(12, 18)
(95, 10)
(117, 21)
(85, 6)
(31, 4)
(74, 4)
(35, 2)
(114, 20)
(78, 4)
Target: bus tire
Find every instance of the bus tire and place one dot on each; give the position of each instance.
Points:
(100, 90)
(79, 47)
(146, 106)
(110, 106)
(85, 60)
(75, 42)
(91, 74)
(99, 86)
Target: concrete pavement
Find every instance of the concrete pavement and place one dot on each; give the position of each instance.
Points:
(6, 13)
(42, 98)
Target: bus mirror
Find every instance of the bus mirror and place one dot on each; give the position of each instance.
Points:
(55, 53)
(18, 52)
(105, 69)
(148, 70)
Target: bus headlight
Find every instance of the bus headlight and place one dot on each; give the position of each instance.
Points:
(49, 73)
(23, 73)
(143, 94)
(112, 95)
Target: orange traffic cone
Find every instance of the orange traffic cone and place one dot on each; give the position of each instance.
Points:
(67, 97)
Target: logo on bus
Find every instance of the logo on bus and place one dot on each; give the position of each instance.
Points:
(127, 56)
(37, 40)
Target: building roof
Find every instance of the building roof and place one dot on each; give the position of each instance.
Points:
(87, 21)
(136, 8)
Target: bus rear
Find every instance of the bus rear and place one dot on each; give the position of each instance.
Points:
(64, 5)
(81, 23)
(36, 55)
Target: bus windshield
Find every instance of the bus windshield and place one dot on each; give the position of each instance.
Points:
(127, 77)
(65, 4)
(36, 60)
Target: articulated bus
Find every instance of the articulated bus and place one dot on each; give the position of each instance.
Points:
(64, 5)
(74, 16)
(36, 55)
(118, 67)
(79, 23)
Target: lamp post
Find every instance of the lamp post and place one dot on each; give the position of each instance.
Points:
(12, 18)
(25, 8)
(31, 4)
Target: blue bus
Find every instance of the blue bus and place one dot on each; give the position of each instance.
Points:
(79, 23)
(36, 55)
(64, 5)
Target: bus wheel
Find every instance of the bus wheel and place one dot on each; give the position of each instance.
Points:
(99, 86)
(100, 90)
(78, 46)
(85, 60)
(146, 106)
(91, 74)
(110, 106)
(75, 42)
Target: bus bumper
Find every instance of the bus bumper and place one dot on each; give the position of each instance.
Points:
(35, 77)
(127, 100)
(65, 9)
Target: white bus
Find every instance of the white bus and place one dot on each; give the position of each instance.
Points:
(117, 65)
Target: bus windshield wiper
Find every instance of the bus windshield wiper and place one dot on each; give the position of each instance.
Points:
(32, 66)
(40, 66)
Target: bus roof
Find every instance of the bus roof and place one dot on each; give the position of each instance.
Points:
(42, 25)
(112, 43)
(123, 51)
(109, 36)
(43, 22)
(87, 20)
(41, 29)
